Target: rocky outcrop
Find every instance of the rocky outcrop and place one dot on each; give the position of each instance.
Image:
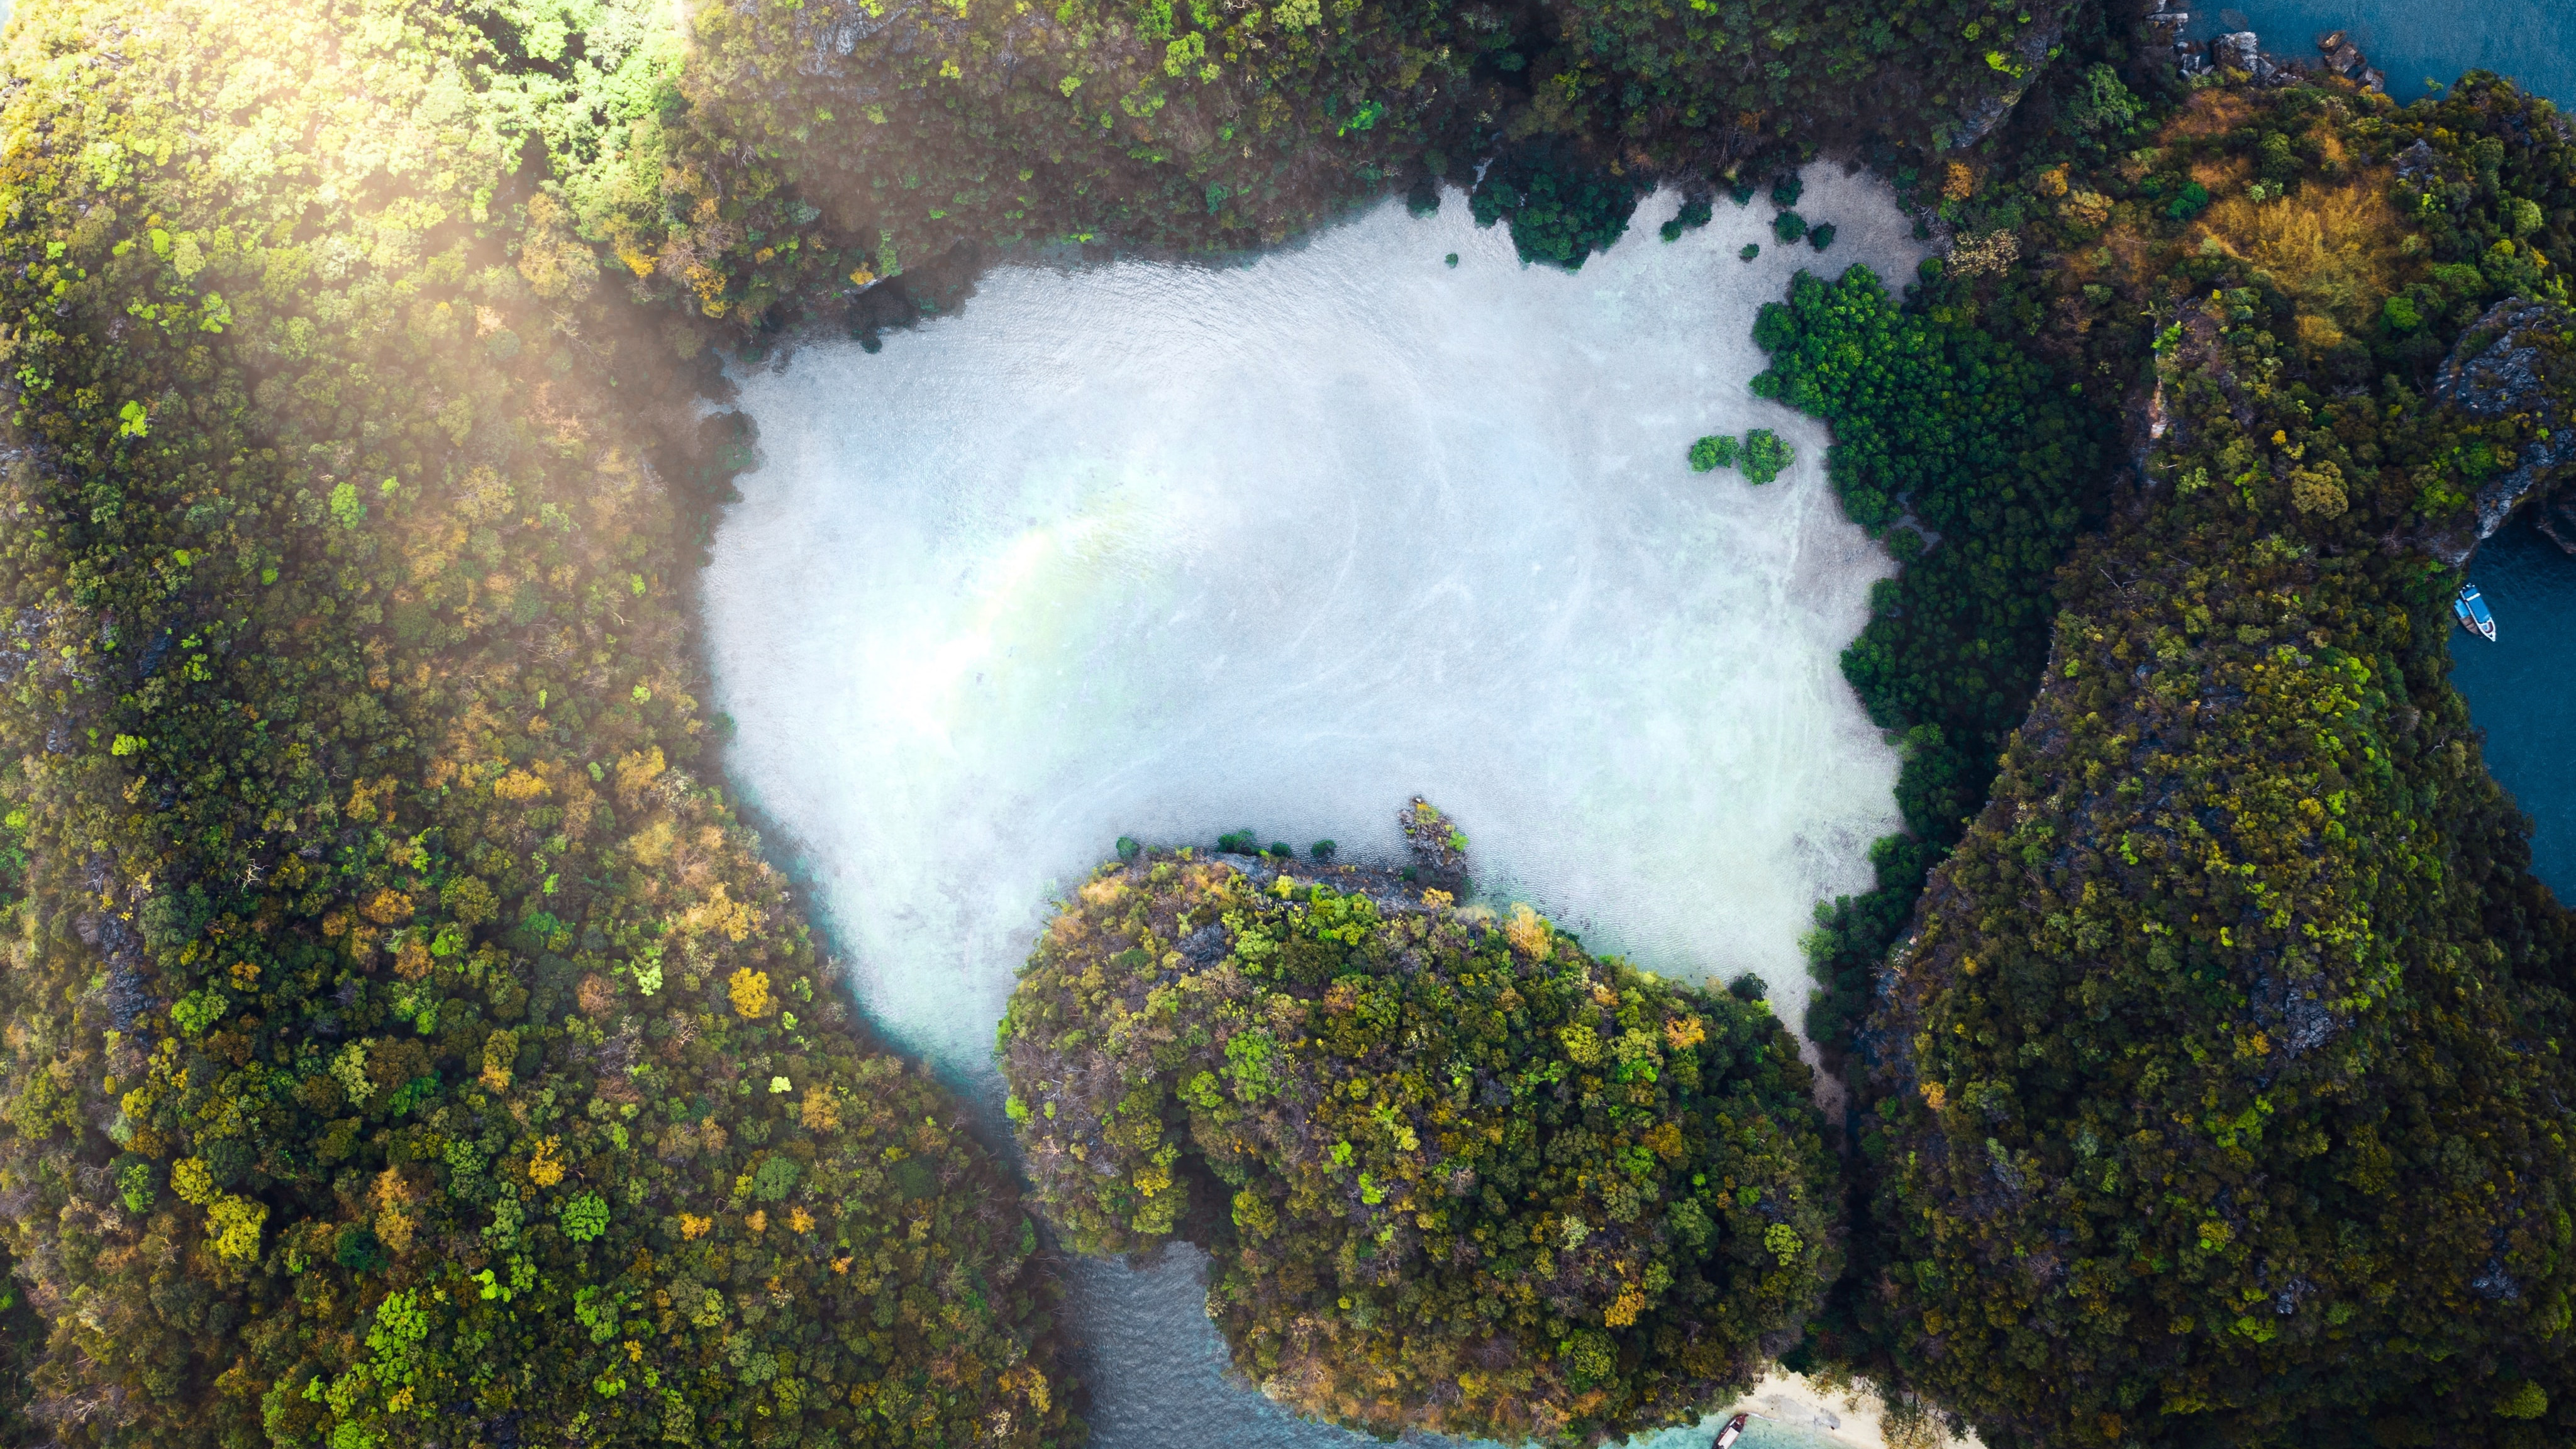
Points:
(2026, 58)
(2345, 59)
(2241, 52)
(2171, 21)
(2513, 362)
(1438, 846)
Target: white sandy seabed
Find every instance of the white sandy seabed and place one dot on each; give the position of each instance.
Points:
(1166, 551)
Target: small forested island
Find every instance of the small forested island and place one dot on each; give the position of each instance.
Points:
(405, 1039)
(1455, 1172)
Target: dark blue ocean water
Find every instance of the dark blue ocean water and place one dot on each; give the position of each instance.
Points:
(2533, 41)
(2522, 690)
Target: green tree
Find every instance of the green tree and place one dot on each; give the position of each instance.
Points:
(1562, 205)
(1765, 456)
(1715, 452)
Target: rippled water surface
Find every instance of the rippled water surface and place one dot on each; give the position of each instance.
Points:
(1166, 551)
(2533, 41)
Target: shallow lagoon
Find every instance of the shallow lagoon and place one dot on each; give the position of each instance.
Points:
(1165, 551)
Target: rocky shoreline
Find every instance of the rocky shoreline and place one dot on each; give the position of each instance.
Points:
(2242, 51)
(2501, 367)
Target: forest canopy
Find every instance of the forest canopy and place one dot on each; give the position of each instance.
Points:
(406, 1036)
(2211, 1095)
(405, 1041)
(1456, 1173)
(408, 1041)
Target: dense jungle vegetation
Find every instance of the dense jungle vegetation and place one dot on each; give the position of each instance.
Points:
(403, 1040)
(2217, 1096)
(809, 146)
(1995, 460)
(1456, 1173)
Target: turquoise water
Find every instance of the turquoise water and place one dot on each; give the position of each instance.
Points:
(2522, 692)
(2533, 41)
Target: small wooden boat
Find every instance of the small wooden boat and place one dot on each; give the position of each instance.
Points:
(2472, 612)
(1734, 1429)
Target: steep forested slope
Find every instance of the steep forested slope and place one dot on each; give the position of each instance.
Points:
(2221, 1088)
(789, 154)
(405, 1040)
(1456, 1173)
(404, 1043)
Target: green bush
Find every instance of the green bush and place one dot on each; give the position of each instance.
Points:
(1788, 226)
(2525, 1400)
(1718, 451)
(2100, 107)
(584, 1217)
(1695, 213)
(1765, 456)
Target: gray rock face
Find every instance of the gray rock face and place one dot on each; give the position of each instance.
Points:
(2345, 59)
(1981, 116)
(2497, 369)
(1980, 119)
(2171, 21)
(2240, 51)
